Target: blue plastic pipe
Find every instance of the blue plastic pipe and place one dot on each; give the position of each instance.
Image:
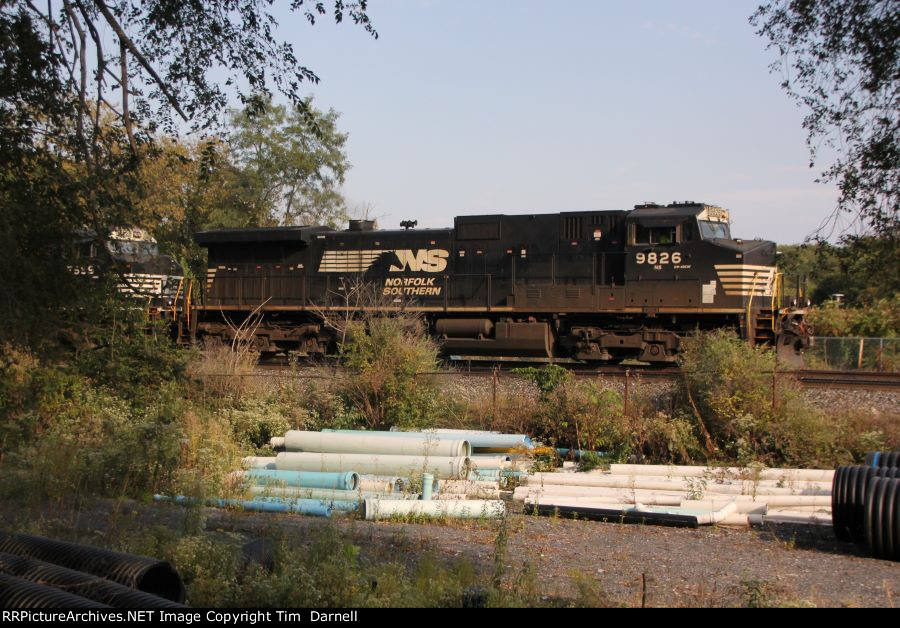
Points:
(341, 505)
(311, 507)
(345, 481)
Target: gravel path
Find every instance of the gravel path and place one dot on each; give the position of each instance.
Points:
(786, 564)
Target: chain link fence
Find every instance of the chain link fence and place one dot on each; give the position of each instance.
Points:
(845, 354)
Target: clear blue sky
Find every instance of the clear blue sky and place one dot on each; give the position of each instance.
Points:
(501, 106)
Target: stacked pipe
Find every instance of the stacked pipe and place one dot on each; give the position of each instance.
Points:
(683, 495)
(36, 572)
(491, 452)
(388, 457)
(379, 453)
(866, 504)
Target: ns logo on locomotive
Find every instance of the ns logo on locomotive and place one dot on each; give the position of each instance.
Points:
(592, 286)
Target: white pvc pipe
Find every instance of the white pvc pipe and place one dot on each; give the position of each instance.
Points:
(378, 509)
(363, 443)
(382, 483)
(490, 461)
(522, 492)
(669, 498)
(744, 507)
(714, 482)
(657, 500)
(717, 516)
(614, 481)
(474, 489)
(459, 496)
(815, 475)
(777, 500)
(792, 517)
(451, 485)
(377, 464)
(819, 509)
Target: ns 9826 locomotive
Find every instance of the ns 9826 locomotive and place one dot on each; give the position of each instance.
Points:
(592, 286)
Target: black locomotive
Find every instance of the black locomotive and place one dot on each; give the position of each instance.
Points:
(593, 286)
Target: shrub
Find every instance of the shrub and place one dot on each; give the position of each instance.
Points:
(383, 359)
(728, 391)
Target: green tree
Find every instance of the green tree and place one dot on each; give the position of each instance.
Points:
(85, 87)
(845, 269)
(841, 61)
(290, 164)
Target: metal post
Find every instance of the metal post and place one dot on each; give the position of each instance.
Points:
(775, 379)
(627, 381)
(494, 377)
(859, 360)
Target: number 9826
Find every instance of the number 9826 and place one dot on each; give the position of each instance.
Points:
(654, 258)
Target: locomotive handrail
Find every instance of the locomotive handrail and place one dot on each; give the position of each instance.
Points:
(748, 321)
(175, 300)
(776, 298)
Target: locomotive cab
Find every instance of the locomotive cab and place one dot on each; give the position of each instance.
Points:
(142, 271)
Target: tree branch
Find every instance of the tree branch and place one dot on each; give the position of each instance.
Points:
(82, 99)
(126, 41)
(124, 84)
(101, 64)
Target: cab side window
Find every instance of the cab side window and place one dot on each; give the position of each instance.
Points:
(654, 235)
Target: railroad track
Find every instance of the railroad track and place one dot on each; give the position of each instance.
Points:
(861, 380)
(848, 379)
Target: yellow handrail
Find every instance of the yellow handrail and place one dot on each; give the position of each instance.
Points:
(750, 303)
(776, 297)
(175, 300)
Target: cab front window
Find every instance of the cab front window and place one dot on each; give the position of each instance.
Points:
(710, 230)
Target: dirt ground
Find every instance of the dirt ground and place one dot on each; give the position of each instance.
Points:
(626, 564)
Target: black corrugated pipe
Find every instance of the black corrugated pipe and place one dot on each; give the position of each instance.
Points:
(882, 518)
(138, 572)
(16, 593)
(848, 498)
(79, 583)
(883, 459)
(838, 518)
(613, 516)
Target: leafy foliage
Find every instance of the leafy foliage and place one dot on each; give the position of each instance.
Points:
(878, 320)
(547, 378)
(841, 61)
(289, 166)
(84, 86)
(729, 390)
(382, 357)
(856, 269)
